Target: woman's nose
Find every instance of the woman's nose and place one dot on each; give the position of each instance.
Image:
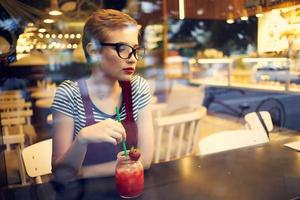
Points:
(131, 58)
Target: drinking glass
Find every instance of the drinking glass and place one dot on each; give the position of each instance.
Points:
(129, 176)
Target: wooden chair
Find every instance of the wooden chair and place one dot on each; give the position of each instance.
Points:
(175, 134)
(19, 109)
(17, 139)
(10, 95)
(37, 159)
(15, 105)
(17, 91)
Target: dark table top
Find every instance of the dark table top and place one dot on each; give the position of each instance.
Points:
(269, 171)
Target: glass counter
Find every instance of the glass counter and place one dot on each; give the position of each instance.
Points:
(270, 74)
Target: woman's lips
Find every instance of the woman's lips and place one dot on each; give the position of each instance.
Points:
(128, 70)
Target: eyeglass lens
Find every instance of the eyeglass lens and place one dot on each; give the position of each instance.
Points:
(126, 51)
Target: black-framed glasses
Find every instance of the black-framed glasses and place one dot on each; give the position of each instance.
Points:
(125, 51)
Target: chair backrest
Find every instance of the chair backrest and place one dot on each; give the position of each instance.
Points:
(10, 95)
(16, 124)
(184, 98)
(253, 122)
(37, 159)
(27, 114)
(15, 105)
(17, 108)
(175, 134)
(11, 112)
(276, 109)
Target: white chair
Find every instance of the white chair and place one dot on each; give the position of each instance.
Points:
(37, 159)
(235, 139)
(229, 140)
(253, 122)
(175, 134)
(182, 97)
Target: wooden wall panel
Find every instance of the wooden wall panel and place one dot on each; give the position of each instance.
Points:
(209, 9)
(205, 9)
(218, 9)
(173, 8)
(154, 17)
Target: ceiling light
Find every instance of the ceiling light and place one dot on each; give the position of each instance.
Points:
(55, 12)
(230, 19)
(42, 30)
(54, 9)
(41, 35)
(78, 35)
(259, 11)
(68, 6)
(48, 21)
(244, 16)
(181, 9)
(278, 59)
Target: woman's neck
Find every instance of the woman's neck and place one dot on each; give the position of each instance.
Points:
(102, 86)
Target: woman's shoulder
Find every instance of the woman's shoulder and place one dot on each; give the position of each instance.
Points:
(138, 81)
(68, 88)
(68, 85)
(139, 85)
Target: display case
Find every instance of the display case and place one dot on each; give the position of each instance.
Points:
(271, 74)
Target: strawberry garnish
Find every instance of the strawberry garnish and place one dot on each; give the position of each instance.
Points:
(134, 154)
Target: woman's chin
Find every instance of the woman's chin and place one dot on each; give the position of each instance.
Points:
(125, 78)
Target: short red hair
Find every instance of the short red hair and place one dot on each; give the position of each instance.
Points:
(101, 22)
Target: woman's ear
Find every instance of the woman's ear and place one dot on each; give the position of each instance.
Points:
(93, 52)
(91, 49)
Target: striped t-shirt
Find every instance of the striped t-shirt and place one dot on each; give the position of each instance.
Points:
(68, 101)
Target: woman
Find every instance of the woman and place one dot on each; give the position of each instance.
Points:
(84, 111)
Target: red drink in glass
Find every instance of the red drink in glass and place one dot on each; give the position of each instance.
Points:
(129, 177)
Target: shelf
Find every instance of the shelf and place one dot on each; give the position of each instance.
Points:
(270, 77)
(251, 86)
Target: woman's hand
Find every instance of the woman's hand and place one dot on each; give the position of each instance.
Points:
(105, 131)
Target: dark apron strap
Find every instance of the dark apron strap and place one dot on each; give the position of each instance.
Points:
(96, 152)
(129, 122)
(87, 103)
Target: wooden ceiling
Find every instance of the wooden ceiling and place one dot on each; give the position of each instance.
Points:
(204, 9)
(218, 9)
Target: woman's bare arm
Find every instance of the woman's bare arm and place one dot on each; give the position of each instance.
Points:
(146, 137)
(68, 154)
